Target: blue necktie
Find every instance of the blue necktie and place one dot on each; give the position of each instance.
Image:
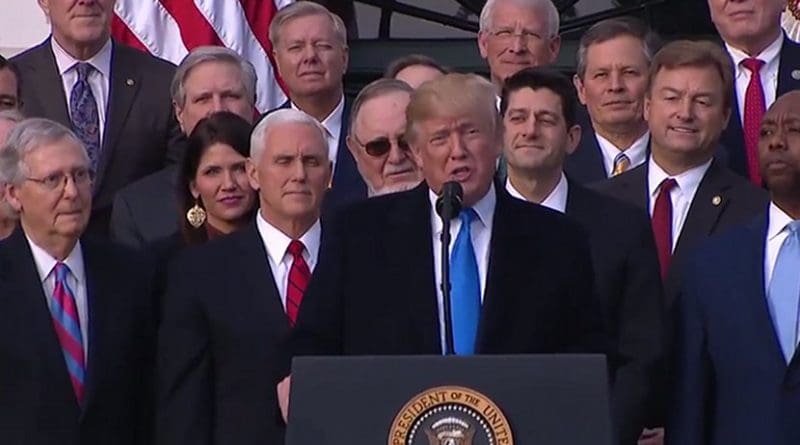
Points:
(83, 110)
(466, 288)
(784, 291)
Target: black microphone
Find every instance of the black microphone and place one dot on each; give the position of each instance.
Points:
(448, 205)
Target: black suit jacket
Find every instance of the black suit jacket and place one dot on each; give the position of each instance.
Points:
(37, 400)
(141, 133)
(585, 165)
(221, 346)
(628, 285)
(147, 210)
(347, 185)
(738, 202)
(373, 290)
(733, 136)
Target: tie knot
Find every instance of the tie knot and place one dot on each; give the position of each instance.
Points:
(296, 248)
(467, 215)
(83, 69)
(60, 270)
(667, 185)
(794, 228)
(621, 163)
(753, 65)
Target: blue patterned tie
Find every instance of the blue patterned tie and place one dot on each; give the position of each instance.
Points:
(83, 110)
(784, 291)
(466, 287)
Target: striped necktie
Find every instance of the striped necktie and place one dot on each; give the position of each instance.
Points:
(621, 164)
(68, 329)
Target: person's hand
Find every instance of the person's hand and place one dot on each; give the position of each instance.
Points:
(653, 436)
(283, 396)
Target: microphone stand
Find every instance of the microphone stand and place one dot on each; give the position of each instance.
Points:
(448, 317)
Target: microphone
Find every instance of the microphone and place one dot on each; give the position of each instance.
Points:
(448, 205)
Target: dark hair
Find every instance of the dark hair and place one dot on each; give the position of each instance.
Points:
(404, 62)
(541, 77)
(611, 29)
(221, 127)
(695, 54)
(6, 64)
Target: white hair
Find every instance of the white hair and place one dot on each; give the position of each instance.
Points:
(281, 117)
(203, 54)
(545, 6)
(26, 137)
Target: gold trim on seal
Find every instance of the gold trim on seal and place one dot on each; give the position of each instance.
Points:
(459, 399)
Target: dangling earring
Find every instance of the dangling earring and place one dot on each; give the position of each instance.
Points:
(196, 215)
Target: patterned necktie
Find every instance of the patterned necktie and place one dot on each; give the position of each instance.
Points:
(784, 292)
(68, 329)
(83, 110)
(621, 164)
(466, 287)
(754, 109)
(662, 224)
(299, 275)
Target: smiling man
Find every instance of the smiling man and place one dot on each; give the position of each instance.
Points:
(737, 362)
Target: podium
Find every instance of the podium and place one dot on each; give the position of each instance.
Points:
(434, 400)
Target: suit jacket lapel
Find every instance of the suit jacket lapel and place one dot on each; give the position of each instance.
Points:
(49, 91)
(123, 87)
(789, 70)
(705, 209)
(410, 236)
(633, 187)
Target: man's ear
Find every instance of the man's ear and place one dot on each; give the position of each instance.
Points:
(573, 138)
(252, 174)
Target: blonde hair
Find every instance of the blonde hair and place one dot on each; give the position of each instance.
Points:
(450, 95)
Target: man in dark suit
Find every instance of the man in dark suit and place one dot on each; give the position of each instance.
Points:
(310, 51)
(540, 130)
(220, 358)
(10, 86)
(77, 329)
(751, 31)
(737, 373)
(114, 97)
(208, 79)
(376, 288)
(687, 193)
(613, 58)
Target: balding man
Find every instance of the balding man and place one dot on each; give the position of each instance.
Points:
(737, 368)
(220, 358)
(378, 140)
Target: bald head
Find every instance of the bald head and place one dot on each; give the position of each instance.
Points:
(779, 152)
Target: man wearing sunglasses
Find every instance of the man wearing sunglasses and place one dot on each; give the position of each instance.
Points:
(377, 137)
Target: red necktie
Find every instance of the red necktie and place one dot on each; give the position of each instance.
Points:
(662, 224)
(754, 109)
(299, 274)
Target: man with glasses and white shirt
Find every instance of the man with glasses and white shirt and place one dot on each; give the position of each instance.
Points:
(76, 329)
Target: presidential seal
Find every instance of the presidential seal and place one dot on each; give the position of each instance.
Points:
(450, 415)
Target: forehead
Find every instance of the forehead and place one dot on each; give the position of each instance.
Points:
(624, 47)
(787, 107)
(213, 72)
(391, 104)
(312, 26)
(63, 153)
(690, 78)
(541, 99)
(293, 137)
(510, 13)
(7, 79)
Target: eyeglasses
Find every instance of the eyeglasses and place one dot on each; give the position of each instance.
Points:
(81, 177)
(380, 146)
(506, 34)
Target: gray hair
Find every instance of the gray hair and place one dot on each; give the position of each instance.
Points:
(611, 29)
(281, 117)
(26, 137)
(378, 88)
(14, 116)
(203, 54)
(545, 6)
(304, 9)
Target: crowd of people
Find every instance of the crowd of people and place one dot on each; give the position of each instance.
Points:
(167, 251)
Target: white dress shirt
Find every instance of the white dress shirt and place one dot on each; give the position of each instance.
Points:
(636, 153)
(280, 261)
(682, 194)
(333, 128)
(481, 231)
(99, 78)
(776, 234)
(769, 72)
(556, 200)
(76, 280)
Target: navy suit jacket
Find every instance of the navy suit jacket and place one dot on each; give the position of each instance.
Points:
(585, 165)
(347, 185)
(732, 384)
(733, 136)
(37, 401)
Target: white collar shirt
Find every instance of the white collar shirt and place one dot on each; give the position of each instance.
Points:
(636, 153)
(769, 73)
(333, 129)
(777, 232)
(556, 200)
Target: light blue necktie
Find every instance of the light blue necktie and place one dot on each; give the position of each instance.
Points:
(466, 287)
(784, 291)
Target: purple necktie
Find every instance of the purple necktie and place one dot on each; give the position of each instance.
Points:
(83, 110)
